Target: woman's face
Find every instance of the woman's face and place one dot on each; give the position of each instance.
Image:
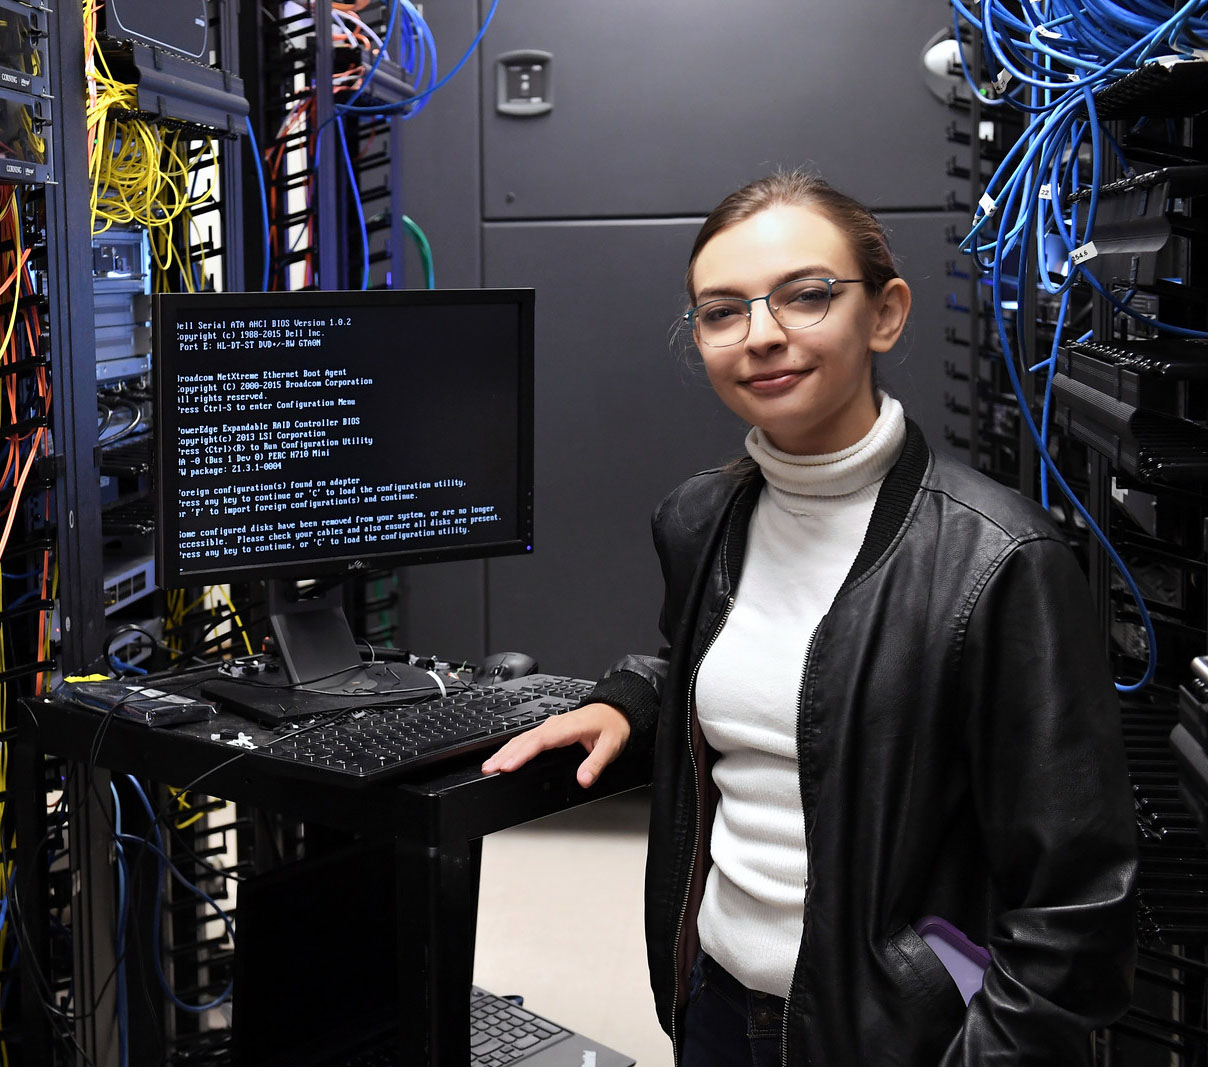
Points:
(810, 391)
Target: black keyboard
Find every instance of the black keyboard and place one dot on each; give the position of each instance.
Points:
(369, 744)
(502, 1032)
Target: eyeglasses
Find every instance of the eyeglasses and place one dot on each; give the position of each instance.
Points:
(795, 305)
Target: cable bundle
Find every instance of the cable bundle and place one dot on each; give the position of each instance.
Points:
(26, 419)
(25, 646)
(1051, 57)
(353, 88)
(141, 172)
(419, 62)
(418, 47)
(1060, 45)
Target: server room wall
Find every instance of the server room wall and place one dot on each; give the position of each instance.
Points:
(659, 110)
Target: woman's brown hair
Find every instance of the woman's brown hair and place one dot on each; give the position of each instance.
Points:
(798, 188)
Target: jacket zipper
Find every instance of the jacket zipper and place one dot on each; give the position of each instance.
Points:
(809, 874)
(679, 929)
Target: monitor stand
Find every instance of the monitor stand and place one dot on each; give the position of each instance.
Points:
(323, 668)
(314, 639)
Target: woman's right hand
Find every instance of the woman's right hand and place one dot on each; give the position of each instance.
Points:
(599, 728)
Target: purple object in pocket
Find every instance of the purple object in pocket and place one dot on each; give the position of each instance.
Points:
(964, 961)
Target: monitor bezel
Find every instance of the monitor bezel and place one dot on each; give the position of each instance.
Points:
(167, 307)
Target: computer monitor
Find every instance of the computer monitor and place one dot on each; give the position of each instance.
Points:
(311, 435)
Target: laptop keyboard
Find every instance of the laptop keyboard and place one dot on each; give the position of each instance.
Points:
(502, 1032)
(369, 744)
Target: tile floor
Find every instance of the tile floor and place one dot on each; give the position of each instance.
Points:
(560, 922)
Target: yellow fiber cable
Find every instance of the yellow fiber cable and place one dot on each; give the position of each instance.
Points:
(182, 799)
(140, 172)
(238, 621)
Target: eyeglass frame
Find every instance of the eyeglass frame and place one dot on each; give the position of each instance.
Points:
(690, 315)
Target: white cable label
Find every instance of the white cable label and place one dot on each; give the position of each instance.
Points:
(986, 203)
(1085, 252)
(1045, 192)
(1044, 31)
(1002, 81)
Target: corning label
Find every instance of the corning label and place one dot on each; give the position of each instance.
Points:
(1085, 252)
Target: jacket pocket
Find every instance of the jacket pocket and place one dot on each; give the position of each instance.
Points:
(922, 976)
(911, 1008)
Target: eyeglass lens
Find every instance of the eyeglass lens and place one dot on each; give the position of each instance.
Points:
(795, 305)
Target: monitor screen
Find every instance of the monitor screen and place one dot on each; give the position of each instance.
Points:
(312, 433)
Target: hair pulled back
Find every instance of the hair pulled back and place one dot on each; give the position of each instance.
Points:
(801, 189)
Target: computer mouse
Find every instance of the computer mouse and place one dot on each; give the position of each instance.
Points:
(500, 666)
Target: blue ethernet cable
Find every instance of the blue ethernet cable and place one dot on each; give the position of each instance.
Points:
(427, 66)
(381, 54)
(1042, 450)
(264, 225)
(356, 201)
(124, 667)
(163, 861)
(407, 107)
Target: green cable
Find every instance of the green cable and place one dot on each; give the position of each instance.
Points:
(425, 250)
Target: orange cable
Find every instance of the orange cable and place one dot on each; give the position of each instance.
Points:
(12, 511)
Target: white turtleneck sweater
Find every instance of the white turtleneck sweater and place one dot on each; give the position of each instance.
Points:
(806, 529)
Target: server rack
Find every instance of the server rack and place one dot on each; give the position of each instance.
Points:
(1126, 430)
(109, 77)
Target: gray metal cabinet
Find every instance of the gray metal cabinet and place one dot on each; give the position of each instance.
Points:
(660, 109)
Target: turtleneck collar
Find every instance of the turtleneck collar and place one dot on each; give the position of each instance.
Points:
(796, 482)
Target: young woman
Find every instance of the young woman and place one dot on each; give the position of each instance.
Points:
(883, 701)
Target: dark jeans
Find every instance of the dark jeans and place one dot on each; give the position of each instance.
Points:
(729, 1025)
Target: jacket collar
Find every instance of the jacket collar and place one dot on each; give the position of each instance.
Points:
(893, 504)
(894, 501)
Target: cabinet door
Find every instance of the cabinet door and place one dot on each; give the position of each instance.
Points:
(623, 415)
(661, 108)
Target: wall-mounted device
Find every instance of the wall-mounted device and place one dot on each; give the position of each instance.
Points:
(523, 83)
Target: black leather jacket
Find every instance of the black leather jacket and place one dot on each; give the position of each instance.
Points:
(960, 756)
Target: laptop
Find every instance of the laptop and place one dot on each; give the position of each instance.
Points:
(316, 980)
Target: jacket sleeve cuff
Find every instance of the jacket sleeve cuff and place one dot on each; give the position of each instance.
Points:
(632, 694)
